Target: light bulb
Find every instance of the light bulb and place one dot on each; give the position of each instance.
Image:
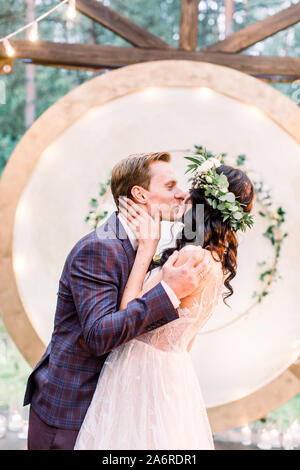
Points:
(205, 92)
(8, 48)
(246, 435)
(20, 264)
(33, 34)
(71, 11)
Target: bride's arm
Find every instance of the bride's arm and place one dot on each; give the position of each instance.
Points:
(147, 231)
(183, 255)
(133, 288)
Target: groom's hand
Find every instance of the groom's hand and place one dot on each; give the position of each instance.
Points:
(185, 279)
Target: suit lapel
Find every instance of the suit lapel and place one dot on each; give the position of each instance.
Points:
(117, 227)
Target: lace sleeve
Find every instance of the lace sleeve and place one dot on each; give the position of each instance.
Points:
(194, 312)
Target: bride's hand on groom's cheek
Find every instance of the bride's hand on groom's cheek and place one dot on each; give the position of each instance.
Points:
(145, 227)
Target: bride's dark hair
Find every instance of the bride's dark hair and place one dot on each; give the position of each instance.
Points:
(217, 236)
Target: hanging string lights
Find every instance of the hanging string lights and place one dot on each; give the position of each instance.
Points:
(33, 34)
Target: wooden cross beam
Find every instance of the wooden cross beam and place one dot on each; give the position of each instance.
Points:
(189, 25)
(120, 25)
(277, 78)
(258, 31)
(96, 56)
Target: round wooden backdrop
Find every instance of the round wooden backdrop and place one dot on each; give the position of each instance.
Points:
(67, 111)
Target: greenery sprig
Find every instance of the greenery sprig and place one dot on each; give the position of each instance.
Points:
(276, 216)
(96, 214)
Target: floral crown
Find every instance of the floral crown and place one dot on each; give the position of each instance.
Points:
(216, 189)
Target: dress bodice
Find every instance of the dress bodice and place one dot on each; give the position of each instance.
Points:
(176, 335)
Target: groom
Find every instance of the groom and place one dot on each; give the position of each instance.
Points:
(88, 323)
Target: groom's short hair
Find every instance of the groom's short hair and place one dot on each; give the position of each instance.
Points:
(134, 170)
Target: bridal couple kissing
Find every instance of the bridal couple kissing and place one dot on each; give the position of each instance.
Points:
(117, 373)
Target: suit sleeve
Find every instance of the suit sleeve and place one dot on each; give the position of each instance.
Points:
(95, 274)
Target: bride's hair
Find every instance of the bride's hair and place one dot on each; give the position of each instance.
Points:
(218, 236)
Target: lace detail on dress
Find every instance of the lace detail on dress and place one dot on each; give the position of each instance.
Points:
(176, 335)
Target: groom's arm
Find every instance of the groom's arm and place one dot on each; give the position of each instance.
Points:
(95, 274)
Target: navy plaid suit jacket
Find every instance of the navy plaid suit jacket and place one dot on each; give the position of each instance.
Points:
(88, 324)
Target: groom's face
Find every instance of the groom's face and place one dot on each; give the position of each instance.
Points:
(164, 191)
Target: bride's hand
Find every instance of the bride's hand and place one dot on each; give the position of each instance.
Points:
(145, 227)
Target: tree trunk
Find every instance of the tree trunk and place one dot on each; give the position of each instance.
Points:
(92, 34)
(30, 73)
(229, 10)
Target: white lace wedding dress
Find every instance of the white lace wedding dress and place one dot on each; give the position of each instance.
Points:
(148, 396)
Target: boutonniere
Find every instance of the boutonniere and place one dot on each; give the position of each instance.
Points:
(156, 258)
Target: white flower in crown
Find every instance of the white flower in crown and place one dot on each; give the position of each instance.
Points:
(207, 165)
(216, 161)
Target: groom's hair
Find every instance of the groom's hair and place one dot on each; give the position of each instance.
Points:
(134, 170)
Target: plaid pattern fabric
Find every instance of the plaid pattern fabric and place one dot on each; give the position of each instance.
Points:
(88, 324)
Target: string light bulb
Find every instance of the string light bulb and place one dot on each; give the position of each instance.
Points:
(8, 48)
(33, 34)
(71, 11)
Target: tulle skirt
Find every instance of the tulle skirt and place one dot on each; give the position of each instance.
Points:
(146, 399)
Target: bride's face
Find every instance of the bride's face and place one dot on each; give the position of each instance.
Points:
(164, 191)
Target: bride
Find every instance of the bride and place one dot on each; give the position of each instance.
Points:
(148, 396)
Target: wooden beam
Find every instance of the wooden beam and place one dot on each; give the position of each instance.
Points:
(95, 56)
(96, 70)
(258, 31)
(276, 78)
(6, 66)
(120, 25)
(263, 78)
(189, 25)
(295, 368)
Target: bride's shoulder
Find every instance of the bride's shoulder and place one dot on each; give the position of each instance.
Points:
(186, 252)
(191, 250)
(191, 247)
